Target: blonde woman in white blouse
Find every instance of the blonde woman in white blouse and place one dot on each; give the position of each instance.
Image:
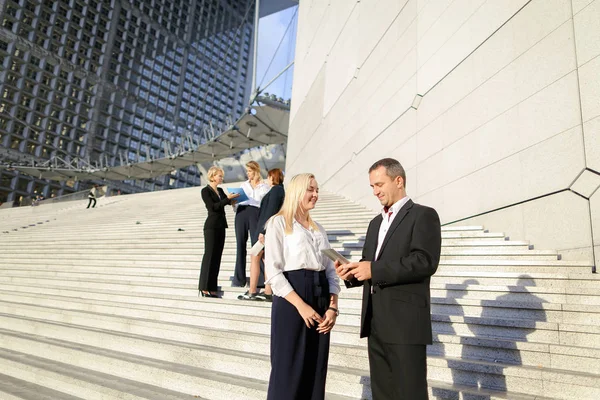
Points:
(305, 301)
(246, 219)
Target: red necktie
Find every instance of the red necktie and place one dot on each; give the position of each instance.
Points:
(388, 212)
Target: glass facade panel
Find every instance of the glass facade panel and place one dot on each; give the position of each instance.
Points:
(81, 78)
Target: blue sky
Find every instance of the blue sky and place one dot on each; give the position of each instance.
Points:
(270, 33)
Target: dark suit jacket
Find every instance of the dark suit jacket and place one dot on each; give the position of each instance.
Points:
(216, 208)
(269, 206)
(396, 300)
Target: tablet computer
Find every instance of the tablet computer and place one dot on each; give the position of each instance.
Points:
(333, 255)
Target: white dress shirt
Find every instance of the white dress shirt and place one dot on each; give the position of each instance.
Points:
(387, 221)
(299, 250)
(255, 194)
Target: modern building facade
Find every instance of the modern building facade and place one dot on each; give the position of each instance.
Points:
(493, 107)
(117, 80)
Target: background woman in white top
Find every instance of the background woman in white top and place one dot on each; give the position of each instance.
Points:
(306, 291)
(246, 219)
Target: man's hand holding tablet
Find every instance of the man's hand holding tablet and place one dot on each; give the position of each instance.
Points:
(340, 262)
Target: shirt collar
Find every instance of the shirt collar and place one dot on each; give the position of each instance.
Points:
(299, 225)
(395, 207)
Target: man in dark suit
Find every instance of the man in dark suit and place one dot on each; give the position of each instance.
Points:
(401, 253)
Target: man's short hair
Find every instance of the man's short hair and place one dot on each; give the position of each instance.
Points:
(393, 168)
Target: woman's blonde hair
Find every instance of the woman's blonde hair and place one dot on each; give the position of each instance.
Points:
(212, 171)
(292, 203)
(253, 165)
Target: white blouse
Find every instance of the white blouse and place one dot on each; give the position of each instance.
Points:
(255, 194)
(299, 250)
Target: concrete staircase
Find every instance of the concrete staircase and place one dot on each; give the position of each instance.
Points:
(102, 304)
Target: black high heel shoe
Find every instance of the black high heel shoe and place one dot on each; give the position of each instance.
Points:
(208, 295)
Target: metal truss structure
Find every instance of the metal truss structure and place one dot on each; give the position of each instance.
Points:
(260, 125)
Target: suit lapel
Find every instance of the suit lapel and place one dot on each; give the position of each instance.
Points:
(373, 242)
(395, 223)
(215, 196)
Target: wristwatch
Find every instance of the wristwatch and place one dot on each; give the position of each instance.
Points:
(337, 313)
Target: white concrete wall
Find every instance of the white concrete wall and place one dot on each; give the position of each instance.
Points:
(510, 109)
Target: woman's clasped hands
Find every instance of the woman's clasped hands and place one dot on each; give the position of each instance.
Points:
(327, 322)
(311, 318)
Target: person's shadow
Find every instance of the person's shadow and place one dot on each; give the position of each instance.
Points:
(444, 309)
(494, 337)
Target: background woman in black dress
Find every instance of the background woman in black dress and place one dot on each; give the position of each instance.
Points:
(215, 200)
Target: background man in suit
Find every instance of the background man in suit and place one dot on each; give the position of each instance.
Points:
(401, 253)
